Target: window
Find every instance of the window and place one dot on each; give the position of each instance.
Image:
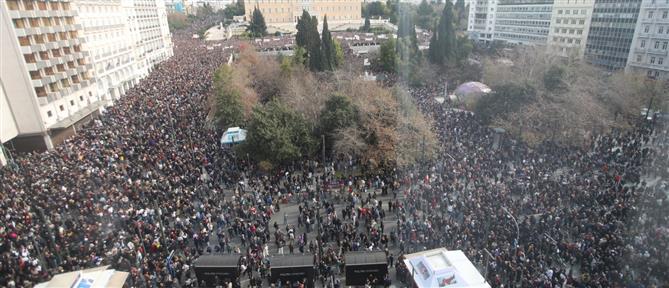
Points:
(650, 15)
(664, 45)
(61, 108)
(81, 98)
(560, 12)
(664, 14)
(660, 30)
(660, 61)
(646, 29)
(558, 21)
(638, 58)
(652, 61)
(49, 113)
(71, 102)
(642, 44)
(657, 44)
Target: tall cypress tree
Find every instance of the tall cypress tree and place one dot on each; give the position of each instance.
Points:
(443, 42)
(257, 27)
(307, 37)
(328, 47)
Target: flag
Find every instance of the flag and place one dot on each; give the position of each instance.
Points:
(168, 263)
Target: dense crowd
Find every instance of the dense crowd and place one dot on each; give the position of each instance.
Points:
(148, 179)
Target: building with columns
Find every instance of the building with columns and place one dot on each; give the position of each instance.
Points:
(284, 13)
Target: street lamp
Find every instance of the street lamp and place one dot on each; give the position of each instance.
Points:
(517, 230)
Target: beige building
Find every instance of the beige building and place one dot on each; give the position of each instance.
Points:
(288, 11)
(47, 79)
(569, 27)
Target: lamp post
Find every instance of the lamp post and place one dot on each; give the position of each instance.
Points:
(517, 230)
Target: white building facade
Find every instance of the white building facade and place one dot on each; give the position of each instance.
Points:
(148, 23)
(111, 45)
(523, 21)
(62, 61)
(569, 27)
(649, 53)
(47, 79)
(481, 26)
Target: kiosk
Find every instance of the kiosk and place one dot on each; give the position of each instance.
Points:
(293, 268)
(214, 269)
(360, 265)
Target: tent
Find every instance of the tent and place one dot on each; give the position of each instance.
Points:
(443, 268)
(293, 268)
(233, 135)
(215, 268)
(359, 265)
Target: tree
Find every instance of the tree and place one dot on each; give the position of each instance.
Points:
(339, 113)
(505, 100)
(177, 21)
(229, 109)
(376, 9)
(387, 59)
(329, 61)
(257, 26)
(443, 47)
(278, 135)
(204, 11)
(461, 11)
(368, 24)
(424, 15)
(553, 78)
(339, 52)
(307, 36)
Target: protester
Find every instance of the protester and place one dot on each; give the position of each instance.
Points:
(146, 188)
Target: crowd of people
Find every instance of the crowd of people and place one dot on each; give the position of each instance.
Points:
(146, 188)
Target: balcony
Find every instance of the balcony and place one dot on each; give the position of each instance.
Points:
(52, 45)
(27, 14)
(48, 79)
(81, 69)
(37, 82)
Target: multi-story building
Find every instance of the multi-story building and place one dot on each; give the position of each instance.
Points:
(289, 11)
(569, 28)
(481, 26)
(523, 21)
(46, 76)
(111, 45)
(611, 32)
(147, 20)
(649, 53)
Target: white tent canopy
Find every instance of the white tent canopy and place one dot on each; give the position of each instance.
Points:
(443, 268)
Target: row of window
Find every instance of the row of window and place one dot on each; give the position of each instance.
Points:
(651, 14)
(567, 40)
(524, 9)
(659, 30)
(572, 12)
(570, 21)
(656, 44)
(62, 108)
(523, 23)
(568, 31)
(651, 60)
